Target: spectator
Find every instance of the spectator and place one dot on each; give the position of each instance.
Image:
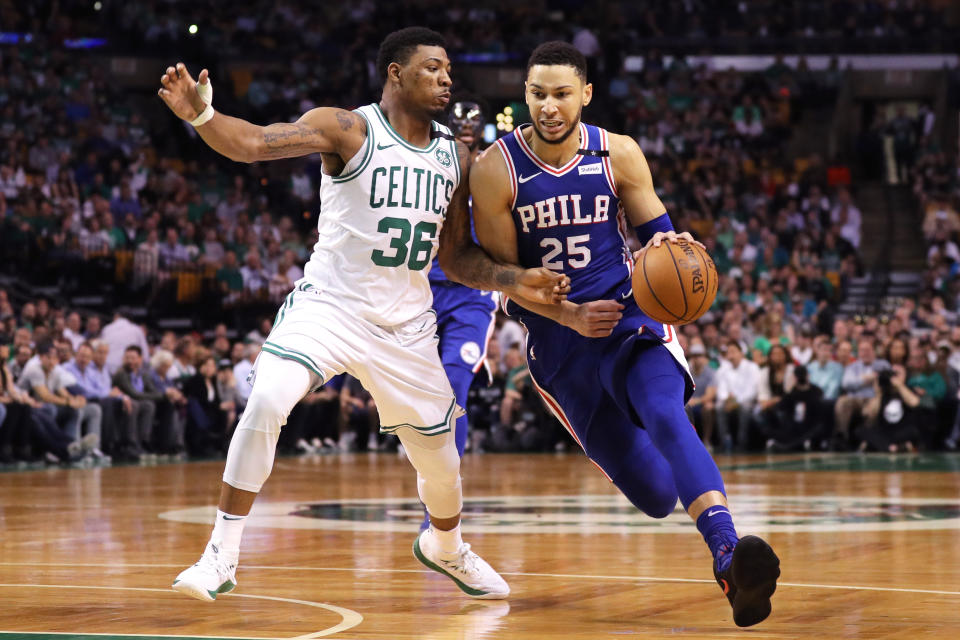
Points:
(74, 331)
(800, 421)
(359, 419)
(15, 406)
(93, 383)
(825, 373)
(738, 383)
(47, 382)
(847, 217)
(172, 410)
(701, 407)
(182, 368)
(256, 280)
(241, 373)
(516, 378)
(891, 421)
(776, 380)
(227, 390)
(206, 411)
(137, 384)
(120, 334)
(931, 390)
(858, 387)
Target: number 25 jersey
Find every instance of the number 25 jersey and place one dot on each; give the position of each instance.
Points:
(569, 219)
(380, 222)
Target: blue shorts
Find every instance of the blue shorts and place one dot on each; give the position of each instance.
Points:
(465, 319)
(584, 380)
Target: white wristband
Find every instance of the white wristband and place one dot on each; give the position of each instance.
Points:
(204, 116)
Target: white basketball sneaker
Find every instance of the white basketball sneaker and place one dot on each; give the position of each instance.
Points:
(469, 571)
(212, 575)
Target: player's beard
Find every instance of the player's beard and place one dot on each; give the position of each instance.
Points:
(566, 134)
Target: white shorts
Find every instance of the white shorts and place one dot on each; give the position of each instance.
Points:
(399, 366)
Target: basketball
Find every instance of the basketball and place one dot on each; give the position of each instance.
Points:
(675, 283)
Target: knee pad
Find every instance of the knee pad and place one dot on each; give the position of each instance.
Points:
(264, 412)
(438, 475)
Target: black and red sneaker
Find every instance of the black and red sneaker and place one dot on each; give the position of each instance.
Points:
(750, 580)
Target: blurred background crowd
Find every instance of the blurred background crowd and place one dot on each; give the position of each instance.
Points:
(835, 326)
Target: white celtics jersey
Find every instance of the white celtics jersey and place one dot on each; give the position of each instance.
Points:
(380, 222)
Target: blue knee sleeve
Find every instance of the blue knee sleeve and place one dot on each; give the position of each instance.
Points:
(460, 379)
(655, 386)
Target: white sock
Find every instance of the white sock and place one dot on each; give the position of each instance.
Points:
(227, 532)
(450, 541)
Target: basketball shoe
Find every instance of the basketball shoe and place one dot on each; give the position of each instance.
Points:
(469, 571)
(211, 576)
(750, 580)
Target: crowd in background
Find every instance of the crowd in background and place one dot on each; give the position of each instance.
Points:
(104, 191)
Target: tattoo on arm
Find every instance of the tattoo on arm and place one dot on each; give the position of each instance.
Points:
(346, 120)
(286, 140)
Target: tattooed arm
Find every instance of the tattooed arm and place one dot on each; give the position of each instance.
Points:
(321, 130)
(465, 262)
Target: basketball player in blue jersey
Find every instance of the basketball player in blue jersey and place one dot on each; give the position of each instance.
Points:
(465, 316)
(557, 193)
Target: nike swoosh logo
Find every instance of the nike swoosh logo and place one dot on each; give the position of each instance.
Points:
(710, 514)
(381, 147)
(226, 517)
(523, 179)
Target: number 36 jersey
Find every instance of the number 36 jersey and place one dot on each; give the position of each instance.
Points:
(380, 222)
(569, 219)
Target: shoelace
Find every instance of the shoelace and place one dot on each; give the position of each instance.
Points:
(465, 560)
(213, 562)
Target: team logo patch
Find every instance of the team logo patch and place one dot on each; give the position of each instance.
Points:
(590, 514)
(470, 352)
(443, 156)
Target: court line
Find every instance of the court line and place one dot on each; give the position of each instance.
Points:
(350, 618)
(574, 576)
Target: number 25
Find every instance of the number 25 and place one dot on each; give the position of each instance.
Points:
(578, 256)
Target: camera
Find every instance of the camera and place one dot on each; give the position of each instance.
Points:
(884, 377)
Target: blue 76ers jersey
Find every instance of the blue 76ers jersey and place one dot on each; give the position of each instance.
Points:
(569, 219)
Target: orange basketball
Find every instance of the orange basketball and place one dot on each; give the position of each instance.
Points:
(675, 283)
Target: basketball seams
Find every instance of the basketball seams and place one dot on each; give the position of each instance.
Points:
(683, 288)
(650, 288)
(704, 258)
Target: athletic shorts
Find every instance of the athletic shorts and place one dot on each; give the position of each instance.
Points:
(466, 319)
(398, 365)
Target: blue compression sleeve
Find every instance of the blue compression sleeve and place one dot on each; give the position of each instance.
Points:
(647, 230)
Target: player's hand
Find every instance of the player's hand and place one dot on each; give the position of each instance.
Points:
(672, 236)
(596, 319)
(541, 285)
(179, 91)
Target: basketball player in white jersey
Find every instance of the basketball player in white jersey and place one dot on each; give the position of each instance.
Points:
(391, 176)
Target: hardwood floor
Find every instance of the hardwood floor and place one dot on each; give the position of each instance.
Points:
(869, 546)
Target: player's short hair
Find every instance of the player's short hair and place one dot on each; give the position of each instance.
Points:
(558, 52)
(400, 45)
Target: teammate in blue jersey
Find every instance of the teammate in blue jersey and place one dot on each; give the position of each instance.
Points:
(465, 316)
(558, 193)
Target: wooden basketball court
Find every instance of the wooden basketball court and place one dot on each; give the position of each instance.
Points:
(869, 546)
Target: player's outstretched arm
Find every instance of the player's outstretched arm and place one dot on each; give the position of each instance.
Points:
(321, 130)
(465, 262)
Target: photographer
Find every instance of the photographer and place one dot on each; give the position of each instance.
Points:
(800, 416)
(894, 414)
